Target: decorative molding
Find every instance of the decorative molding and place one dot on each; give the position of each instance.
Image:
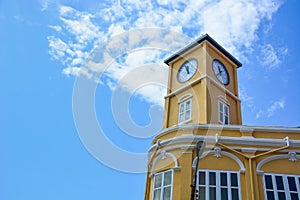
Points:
(175, 169)
(249, 141)
(163, 155)
(185, 97)
(224, 100)
(217, 152)
(220, 86)
(244, 129)
(240, 128)
(222, 153)
(188, 85)
(291, 156)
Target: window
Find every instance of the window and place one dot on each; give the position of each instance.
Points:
(218, 185)
(163, 186)
(223, 113)
(281, 187)
(185, 111)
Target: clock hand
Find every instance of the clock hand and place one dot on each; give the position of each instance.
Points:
(187, 69)
(219, 69)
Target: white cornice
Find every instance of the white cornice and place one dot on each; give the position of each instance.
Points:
(189, 137)
(190, 84)
(241, 128)
(220, 86)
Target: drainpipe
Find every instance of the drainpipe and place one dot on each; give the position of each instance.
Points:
(250, 158)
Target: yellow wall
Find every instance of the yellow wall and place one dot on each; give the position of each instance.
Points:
(182, 177)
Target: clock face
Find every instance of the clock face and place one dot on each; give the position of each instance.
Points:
(220, 71)
(187, 70)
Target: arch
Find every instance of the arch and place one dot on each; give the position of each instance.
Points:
(218, 153)
(291, 156)
(185, 97)
(163, 155)
(224, 99)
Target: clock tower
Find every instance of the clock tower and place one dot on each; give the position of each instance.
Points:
(202, 87)
(203, 151)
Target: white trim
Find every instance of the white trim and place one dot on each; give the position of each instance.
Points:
(187, 85)
(219, 127)
(186, 147)
(190, 84)
(271, 158)
(161, 157)
(223, 153)
(220, 86)
(249, 141)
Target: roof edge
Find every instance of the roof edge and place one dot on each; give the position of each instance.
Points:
(199, 41)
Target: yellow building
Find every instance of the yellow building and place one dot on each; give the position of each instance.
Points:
(202, 107)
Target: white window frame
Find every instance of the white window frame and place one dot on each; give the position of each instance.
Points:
(218, 185)
(162, 187)
(221, 111)
(286, 190)
(184, 116)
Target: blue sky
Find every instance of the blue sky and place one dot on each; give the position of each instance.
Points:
(72, 68)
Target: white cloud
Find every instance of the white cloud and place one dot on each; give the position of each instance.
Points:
(270, 111)
(246, 99)
(274, 107)
(232, 23)
(46, 3)
(56, 28)
(79, 24)
(259, 114)
(77, 71)
(139, 74)
(235, 23)
(271, 58)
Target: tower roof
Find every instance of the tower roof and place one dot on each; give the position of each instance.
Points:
(198, 42)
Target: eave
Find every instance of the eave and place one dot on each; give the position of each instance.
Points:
(197, 42)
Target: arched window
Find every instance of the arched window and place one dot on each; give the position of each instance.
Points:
(162, 188)
(185, 109)
(223, 108)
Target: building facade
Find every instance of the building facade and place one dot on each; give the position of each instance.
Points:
(236, 161)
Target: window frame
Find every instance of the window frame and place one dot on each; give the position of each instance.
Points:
(162, 187)
(286, 186)
(218, 185)
(222, 111)
(184, 113)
